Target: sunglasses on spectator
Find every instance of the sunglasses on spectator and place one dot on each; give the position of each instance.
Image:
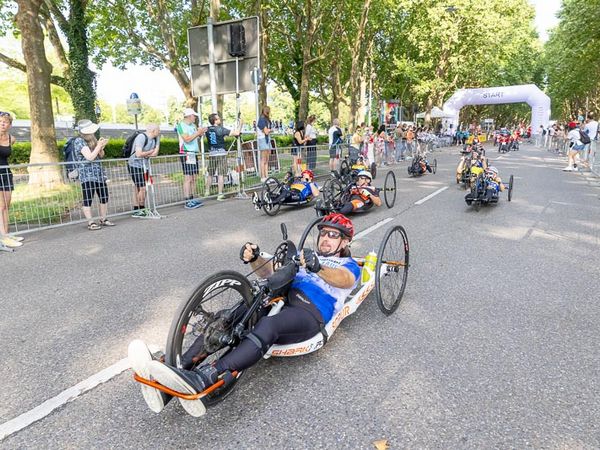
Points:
(330, 234)
(4, 114)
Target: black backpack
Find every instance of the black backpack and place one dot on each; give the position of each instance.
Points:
(584, 138)
(69, 157)
(128, 146)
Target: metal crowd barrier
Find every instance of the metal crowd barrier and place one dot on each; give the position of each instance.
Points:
(45, 196)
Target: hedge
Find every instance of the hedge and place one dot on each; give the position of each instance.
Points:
(114, 148)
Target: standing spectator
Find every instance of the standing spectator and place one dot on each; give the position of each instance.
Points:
(591, 128)
(145, 146)
(88, 152)
(410, 137)
(400, 143)
(311, 144)
(300, 141)
(263, 137)
(575, 146)
(335, 141)
(217, 162)
(539, 137)
(188, 134)
(380, 145)
(6, 181)
(551, 134)
(356, 143)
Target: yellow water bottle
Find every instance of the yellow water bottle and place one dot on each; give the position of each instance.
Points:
(368, 267)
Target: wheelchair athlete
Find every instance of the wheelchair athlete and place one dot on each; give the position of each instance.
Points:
(362, 195)
(323, 282)
(493, 186)
(294, 190)
(478, 164)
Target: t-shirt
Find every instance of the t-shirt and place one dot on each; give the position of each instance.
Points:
(215, 136)
(139, 142)
(187, 129)
(263, 123)
(592, 129)
(310, 131)
(574, 136)
(304, 188)
(335, 135)
(325, 297)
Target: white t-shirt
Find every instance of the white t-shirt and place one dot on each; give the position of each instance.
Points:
(592, 128)
(311, 133)
(574, 136)
(552, 131)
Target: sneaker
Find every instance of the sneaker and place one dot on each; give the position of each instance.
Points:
(221, 197)
(140, 213)
(139, 358)
(16, 238)
(192, 204)
(198, 203)
(7, 241)
(186, 382)
(262, 180)
(568, 169)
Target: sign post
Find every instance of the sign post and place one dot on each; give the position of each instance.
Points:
(134, 107)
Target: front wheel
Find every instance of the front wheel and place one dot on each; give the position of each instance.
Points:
(211, 311)
(270, 190)
(510, 187)
(434, 166)
(374, 170)
(391, 270)
(389, 189)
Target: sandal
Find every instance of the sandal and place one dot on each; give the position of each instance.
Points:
(94, 226)
(106, 223)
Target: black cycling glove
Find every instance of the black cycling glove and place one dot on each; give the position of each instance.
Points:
(311, 260)
(255, 252)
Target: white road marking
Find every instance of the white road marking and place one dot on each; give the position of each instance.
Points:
(372, 228)
(423, 200)
(66, 396)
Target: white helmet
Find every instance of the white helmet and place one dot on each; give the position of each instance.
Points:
(365, 173)
(493, 170)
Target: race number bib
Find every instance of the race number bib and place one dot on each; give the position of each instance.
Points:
(190, 158)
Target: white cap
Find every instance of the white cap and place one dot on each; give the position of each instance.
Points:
(87, 126)
(190, 112)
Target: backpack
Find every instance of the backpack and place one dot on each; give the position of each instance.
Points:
(69, 157)
(128, 146)
(584, 138)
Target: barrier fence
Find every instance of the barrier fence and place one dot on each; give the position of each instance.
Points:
(45, 196)
(560, 145)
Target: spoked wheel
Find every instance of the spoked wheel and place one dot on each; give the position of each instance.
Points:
(374, 170)
(332, 192)
(212, 311)
(434, 166)
(389, 189)
(391, 270)
(271, 189)
(510, 187)
(310, 235)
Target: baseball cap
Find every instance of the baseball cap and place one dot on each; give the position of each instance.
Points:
(190, 112)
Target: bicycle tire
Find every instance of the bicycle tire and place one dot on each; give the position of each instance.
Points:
(400, 256)
(271, 187)
(389, 189)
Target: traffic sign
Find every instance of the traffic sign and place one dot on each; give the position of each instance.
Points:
(134, 106)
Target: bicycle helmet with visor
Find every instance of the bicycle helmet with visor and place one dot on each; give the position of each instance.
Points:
(340, 222)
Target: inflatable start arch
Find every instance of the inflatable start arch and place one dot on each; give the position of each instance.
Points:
(527, 93)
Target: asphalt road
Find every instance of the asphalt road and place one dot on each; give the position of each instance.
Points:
(495, 344)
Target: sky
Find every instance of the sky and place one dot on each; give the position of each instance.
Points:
(155, 87)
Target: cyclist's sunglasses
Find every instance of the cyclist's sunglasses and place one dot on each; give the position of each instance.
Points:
(364, 178)
(330, 234)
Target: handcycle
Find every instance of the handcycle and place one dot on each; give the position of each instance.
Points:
(351, 165)
(479, 187)
(224, 308)
(415, 167)
(271, 189)
(336, 192)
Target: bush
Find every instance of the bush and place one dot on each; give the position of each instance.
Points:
(114, 149)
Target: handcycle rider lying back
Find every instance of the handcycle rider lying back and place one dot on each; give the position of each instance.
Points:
(362, 195)
(323, 282)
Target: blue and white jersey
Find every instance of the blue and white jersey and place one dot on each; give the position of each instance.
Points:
(304, 188)
(325, 297)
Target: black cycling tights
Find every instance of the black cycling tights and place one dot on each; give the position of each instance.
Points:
(292, 324)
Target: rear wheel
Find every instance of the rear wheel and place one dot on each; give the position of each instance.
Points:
(374, 170)
(434, 166)
(271, 189)
(389, 189)
(391, 270)
(212, 311)
(510, 187)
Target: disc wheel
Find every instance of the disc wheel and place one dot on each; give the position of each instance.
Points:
(389, 189)
(271, 189)
(211, 311)
(374, 170)
(434, 166)
(391, 270)
(510, 187)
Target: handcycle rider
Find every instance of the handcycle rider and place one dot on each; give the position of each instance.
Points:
(294, 190)
(362, 195)
(324, 280)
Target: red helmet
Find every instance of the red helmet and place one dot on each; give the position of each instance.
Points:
(339, 222)
(309, 173)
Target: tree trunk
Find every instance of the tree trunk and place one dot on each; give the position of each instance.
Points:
(428, 110)
(304, 91)
(43, 135)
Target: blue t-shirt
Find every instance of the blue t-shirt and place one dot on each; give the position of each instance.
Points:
(325, 297)
(188, 130)
(304, 188)
(263, 123)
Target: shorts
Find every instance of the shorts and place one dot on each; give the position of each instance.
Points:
(295, 151)
(189, 169)
(137, 175)
(264, 145)
(577, 148)
(217, 165)
(6, 180)
(333, 151)
(90, 187)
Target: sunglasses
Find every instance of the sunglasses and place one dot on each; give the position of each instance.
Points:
(330, 234)
(4, 114)
(364, 178)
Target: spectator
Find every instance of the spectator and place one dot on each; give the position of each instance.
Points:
(88, 151)
(263, 138)
(539, 137)
(311, 144)
(591, 128)
(575, 146)
(410, 137)
(217, 162)
(380, 144)
(188, 134)
(300, 141)
(335, 141)
(145, 146)
(6, 181)
(400, 142)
